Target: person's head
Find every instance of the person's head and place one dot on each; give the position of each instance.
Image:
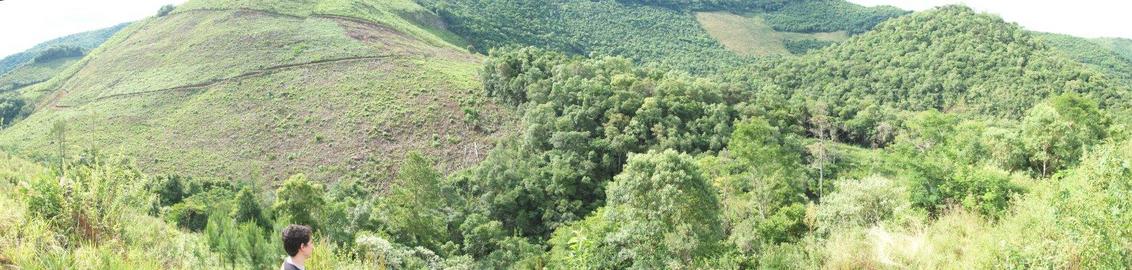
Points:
(297, 241)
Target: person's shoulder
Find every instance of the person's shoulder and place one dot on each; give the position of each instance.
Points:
(288, 266)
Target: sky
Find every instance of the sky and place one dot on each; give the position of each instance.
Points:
(24, 23)
(1083, 18)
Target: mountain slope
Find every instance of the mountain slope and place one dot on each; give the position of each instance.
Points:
(240, 92)
(20, 69)
(664, 32)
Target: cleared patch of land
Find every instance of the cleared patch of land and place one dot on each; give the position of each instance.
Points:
(752, 36)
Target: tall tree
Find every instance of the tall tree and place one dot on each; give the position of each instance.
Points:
(413, 212)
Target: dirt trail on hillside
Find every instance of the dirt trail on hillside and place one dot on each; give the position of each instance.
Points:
(205, 84)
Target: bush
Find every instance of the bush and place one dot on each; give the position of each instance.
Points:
(190, 215)
(861, 203)
(89, 200)
(987, 191)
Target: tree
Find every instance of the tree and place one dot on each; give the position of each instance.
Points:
(59, 131)
(414, 211)
(299, 201)
(770, 163)
(1056, 132)
(248, 209)
(10, 110)
(661, 213)
(823, 128)
(165, 10)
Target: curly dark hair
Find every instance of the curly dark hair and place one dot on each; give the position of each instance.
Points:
(294, 236)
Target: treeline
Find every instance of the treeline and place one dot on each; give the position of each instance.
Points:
(802, 46)
(663, 32)
(59, 52)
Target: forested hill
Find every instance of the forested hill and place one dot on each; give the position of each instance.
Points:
(664, 32)
(950, 59)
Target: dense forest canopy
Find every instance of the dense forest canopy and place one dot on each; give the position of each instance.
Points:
(944, 138)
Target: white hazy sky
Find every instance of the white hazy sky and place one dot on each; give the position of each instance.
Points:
(24, 23)
(1084, 18)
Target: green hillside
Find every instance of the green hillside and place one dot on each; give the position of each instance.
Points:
(1105, 55)
(1121, 46)
(322, 93)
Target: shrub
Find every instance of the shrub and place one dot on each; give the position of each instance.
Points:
(860, 203)
(190, 215)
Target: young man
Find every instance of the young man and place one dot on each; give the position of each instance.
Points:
(297, 243)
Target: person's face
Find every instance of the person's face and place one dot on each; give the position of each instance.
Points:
(307, 249)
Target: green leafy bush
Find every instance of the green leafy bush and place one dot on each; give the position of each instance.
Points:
(862, 203)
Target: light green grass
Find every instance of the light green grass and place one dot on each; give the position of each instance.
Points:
(752, 36)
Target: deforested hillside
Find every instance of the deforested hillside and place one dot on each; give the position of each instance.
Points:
(242, 90)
